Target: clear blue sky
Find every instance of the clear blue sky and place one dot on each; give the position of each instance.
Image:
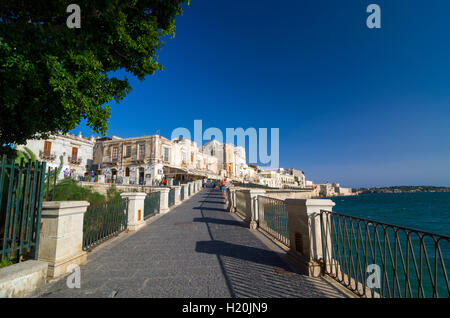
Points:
(354, 105)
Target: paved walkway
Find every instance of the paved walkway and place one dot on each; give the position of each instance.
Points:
(196, 250)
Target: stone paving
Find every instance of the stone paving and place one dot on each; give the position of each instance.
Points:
(196, 250)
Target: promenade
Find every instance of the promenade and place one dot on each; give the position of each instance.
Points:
(198, 249)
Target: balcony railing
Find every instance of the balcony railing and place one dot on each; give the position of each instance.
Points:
(108, 159)
(46, 155)
(75, 160)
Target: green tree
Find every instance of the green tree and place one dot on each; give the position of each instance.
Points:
(53, 76)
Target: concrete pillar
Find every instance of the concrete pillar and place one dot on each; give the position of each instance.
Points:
(305, 233)
(135, 209)
(61, 237)
(177, 194)
(251, 207)
(231, 207)
(163, 200)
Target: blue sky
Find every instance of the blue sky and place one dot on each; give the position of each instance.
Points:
(358, 106)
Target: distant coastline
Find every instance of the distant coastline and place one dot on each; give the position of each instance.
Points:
(403, 189)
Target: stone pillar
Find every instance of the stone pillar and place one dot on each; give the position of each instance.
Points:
(177, 194)
(101, 178)
(185, 187)
(251, 207)
(61, 237)
(163, 200)
(231, 207)
(305, 233)
(135, 209)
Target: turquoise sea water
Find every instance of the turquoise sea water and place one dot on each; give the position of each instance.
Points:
(422, 211)
(428, 212)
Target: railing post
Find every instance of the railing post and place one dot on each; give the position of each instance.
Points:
(164, 200)
(230, 199)
(61, 236)
(305, 233)
(177, 194)
(135, 209)
(251, 210)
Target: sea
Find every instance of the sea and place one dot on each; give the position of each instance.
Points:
(423, 211)
(426, 211)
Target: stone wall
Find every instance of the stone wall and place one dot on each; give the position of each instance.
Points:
(102, 188)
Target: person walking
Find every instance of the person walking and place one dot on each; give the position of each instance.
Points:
(223, 185)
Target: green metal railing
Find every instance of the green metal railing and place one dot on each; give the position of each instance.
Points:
(273, 218)
(103, 221)
(50, 184)
(21, 192)
(241, 204)
(410, 263)
(182, 193)
(171, 197)
(151, 204)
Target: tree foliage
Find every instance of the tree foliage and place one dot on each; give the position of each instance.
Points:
(52, 76)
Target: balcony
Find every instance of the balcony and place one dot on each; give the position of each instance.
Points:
(139, 159)
(112, 161)
(47, 156)
(74, 160)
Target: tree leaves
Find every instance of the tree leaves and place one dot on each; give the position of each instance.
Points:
(52, 76)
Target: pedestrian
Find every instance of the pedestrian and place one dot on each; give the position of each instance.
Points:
(92, 176)
(66, 173)
(205, 182)
(222, 185)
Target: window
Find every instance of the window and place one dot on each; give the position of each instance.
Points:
(127, 172)
(115, 154)
(192, 157)
(141, 151)
(47, 148)
(183, 156)
(166, 154)
(128, 151)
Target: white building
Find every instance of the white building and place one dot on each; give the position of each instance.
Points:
(75, 152)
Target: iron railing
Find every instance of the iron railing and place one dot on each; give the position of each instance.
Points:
(103, 221)
(182, 193)
(273, 218)
(172, 197)
(241, 204)
(21, 193)
(375, 259)
(50, 184)
(151, 204)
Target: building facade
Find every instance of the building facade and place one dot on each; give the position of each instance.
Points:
(73, 152)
